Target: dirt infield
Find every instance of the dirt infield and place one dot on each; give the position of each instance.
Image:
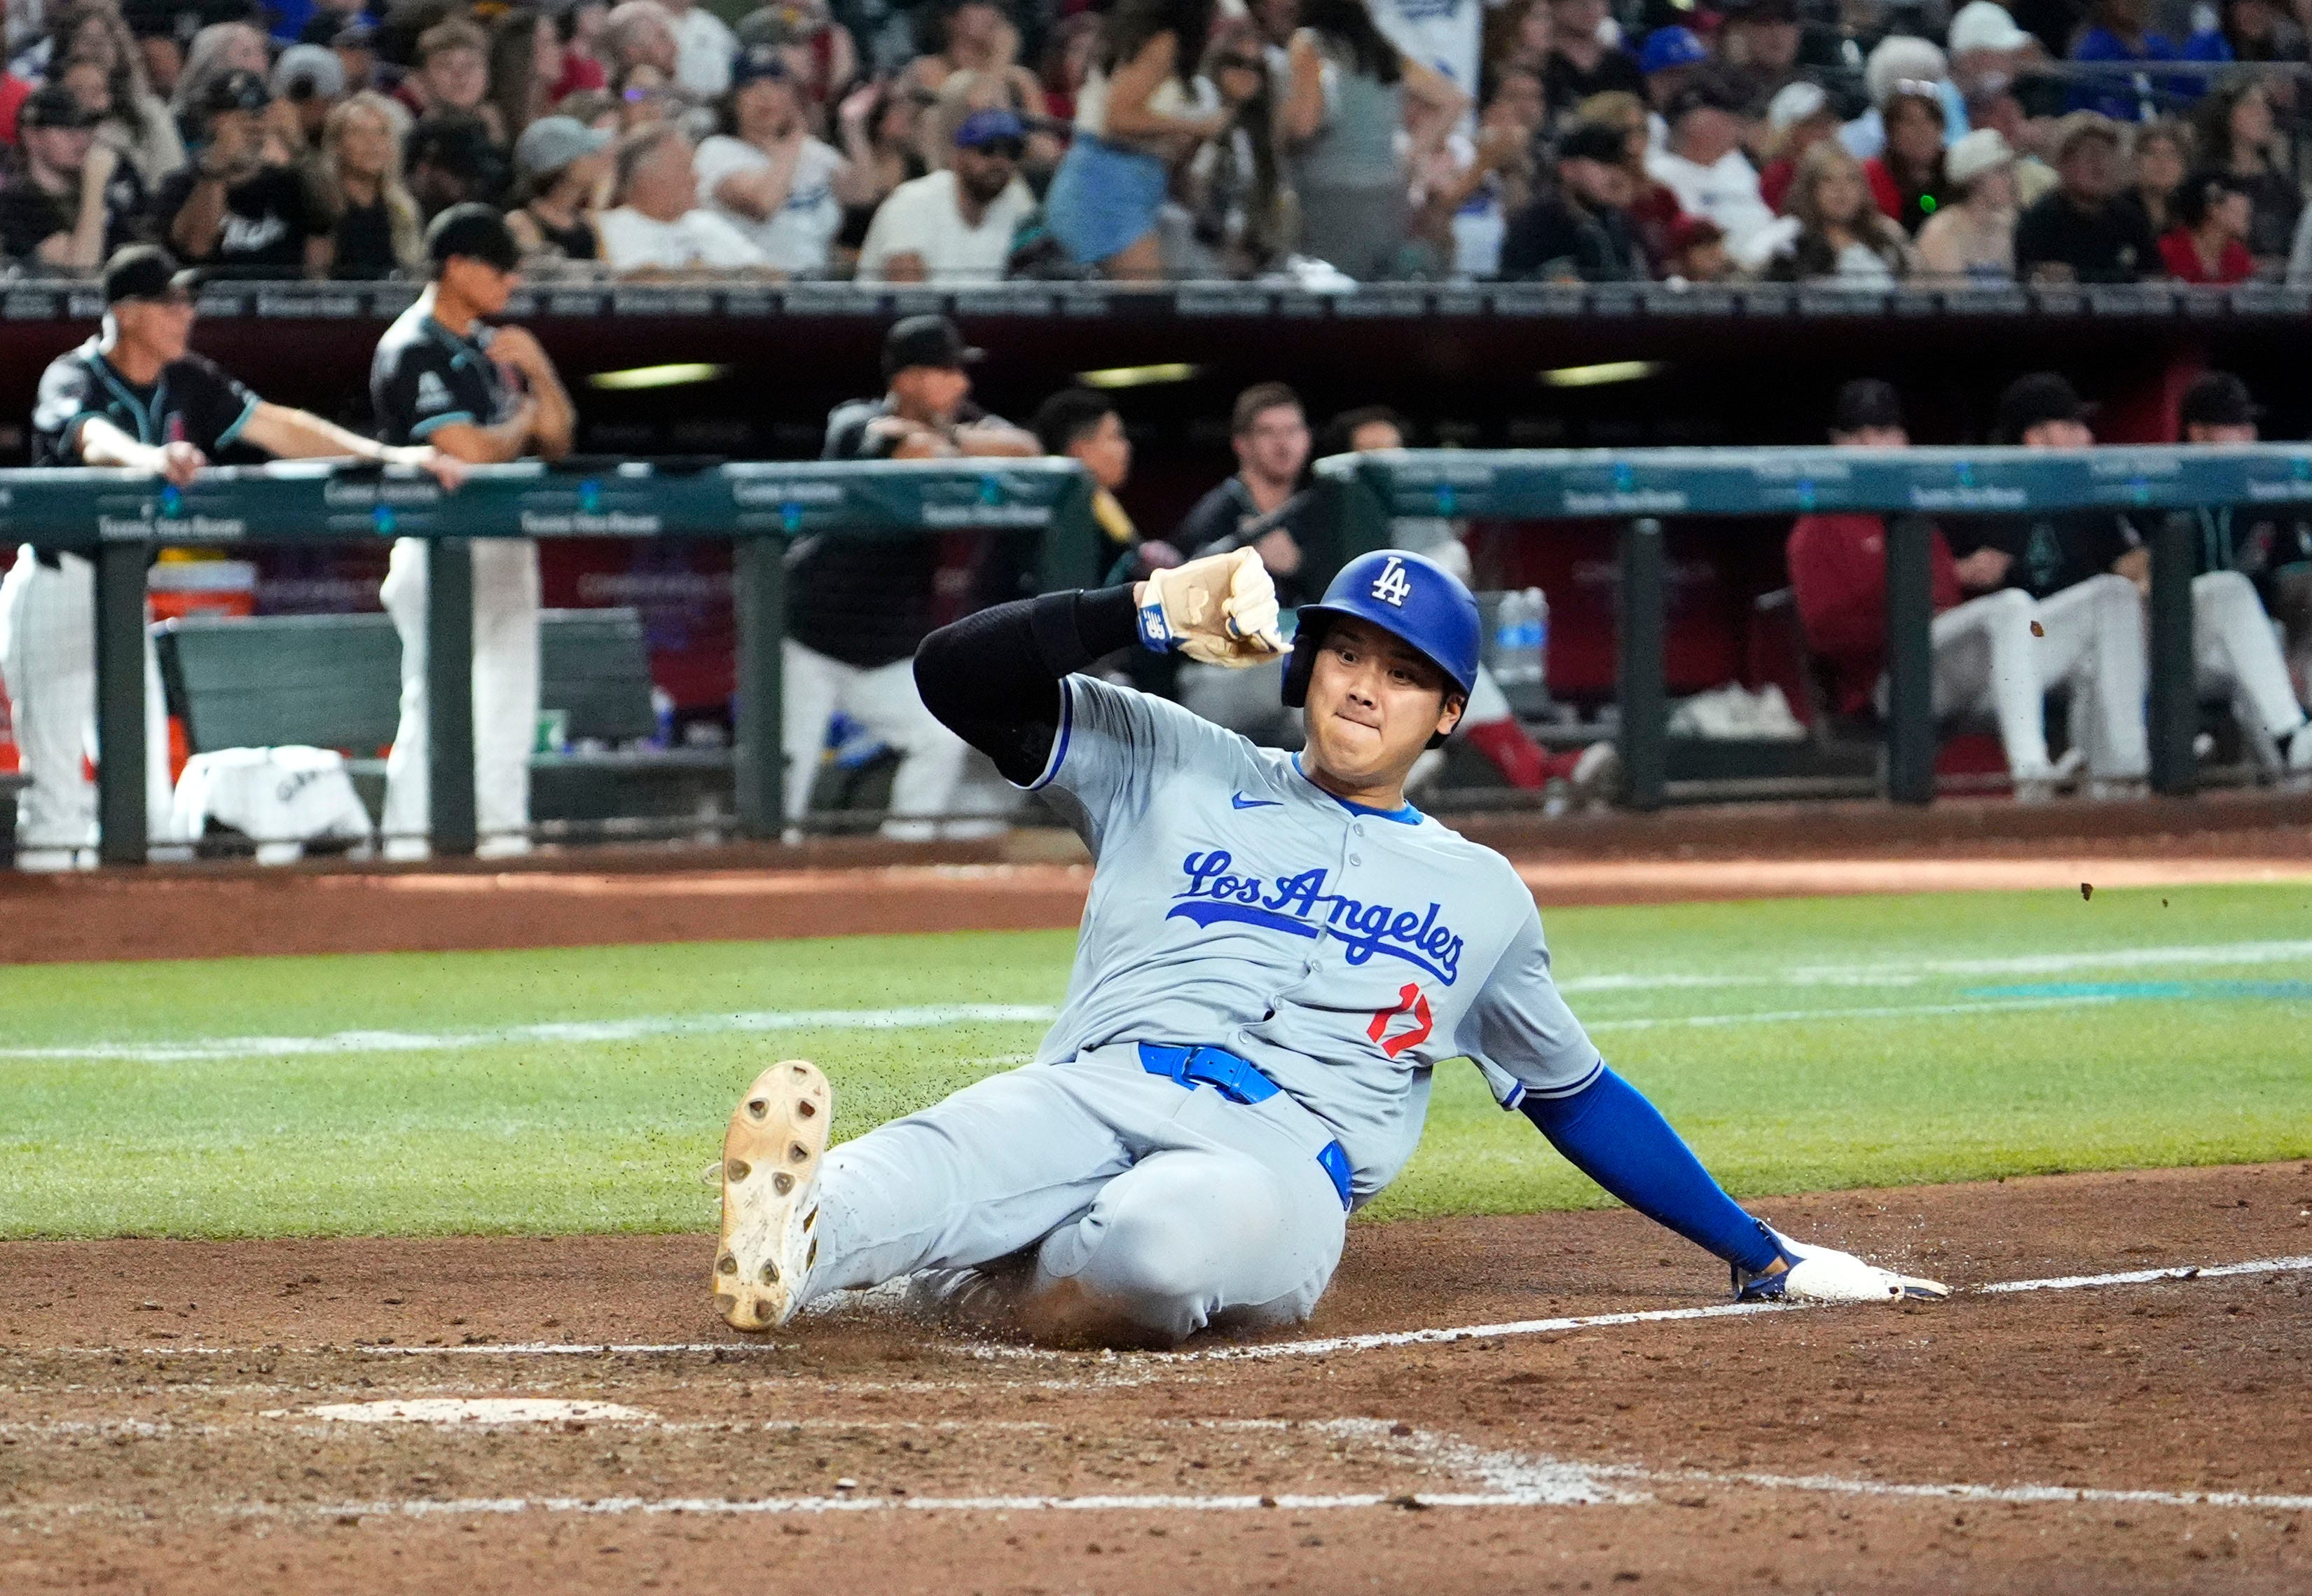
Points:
(161, 1430)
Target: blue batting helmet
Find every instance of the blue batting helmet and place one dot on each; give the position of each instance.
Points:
(1405, 595)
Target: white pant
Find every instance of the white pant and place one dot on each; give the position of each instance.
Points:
(48, 659)
(883, 699)
(1155, 1210)
(506, 688)
(2236, 652)
(2090, 636)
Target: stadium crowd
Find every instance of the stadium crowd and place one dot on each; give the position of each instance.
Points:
(967, 141)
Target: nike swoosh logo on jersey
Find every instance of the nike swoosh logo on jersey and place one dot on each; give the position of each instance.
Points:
(1241, 802)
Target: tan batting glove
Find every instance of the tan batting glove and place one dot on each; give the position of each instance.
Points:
(1219, 611)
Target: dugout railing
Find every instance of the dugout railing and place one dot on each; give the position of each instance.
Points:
(1913, 488)
(118, 518)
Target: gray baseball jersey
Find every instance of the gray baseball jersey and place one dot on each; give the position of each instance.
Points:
(1345, 950)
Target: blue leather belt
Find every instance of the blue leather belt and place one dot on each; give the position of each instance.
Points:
(1238, 1081)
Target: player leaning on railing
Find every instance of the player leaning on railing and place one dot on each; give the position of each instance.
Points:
(134, 395)
(1282, 929)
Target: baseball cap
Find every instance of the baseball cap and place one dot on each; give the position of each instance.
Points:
(926, 340)
(313, 65)
(1866, 402)
(2081, 125)
(1795, 103)
(1984, 25)
(982, 129)
(477, 232)
(53, 106)
(2030, 401)
(2218, 399)
(1593, 141)
(756, 63)
(552, 142)
(1669, 48)
(1708, 91)
(144, 272)
(1985, 149)
(236, 90)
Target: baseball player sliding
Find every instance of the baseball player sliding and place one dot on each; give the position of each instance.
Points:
(134, 395)
(1278, 951)
(443, 377)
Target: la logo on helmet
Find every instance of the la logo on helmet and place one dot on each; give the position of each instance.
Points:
(1391, 586)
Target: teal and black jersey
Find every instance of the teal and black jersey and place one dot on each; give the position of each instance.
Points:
(192, 402)
(425, 377)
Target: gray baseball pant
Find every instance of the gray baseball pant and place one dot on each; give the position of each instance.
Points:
(1150, 1207)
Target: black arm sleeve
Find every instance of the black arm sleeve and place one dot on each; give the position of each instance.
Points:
(992, 678)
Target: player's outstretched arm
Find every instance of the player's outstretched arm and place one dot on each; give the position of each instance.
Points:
(1610, 1133)
(992, 678)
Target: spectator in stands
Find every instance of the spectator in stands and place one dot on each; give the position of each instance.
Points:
(218, 49)
(2208, 245)
(1259, 507)
(2262, 31)
(1655, 210)
(1798, 118)
(1463, 208)
(13, 91)
(1085, 427)
(354, 46)
(525, 59)
(1580, 231)
(876, 125)
(240, 208)
(1695, 251)
(306, 81)
(130, 117)
(1988, 49)
(452, 77)
(1906, 175)
(1998, 654)
(1895, 60)
(2119, 34)
(1835, 232)
(2159, 152)
(975, 36)
(822, 57)
(1233, 214)
(451, 160)
(1971, 237)
(955, 226)
(562, 166)
(2054, 553)
(375, 227)
(1760, 39)
(1143, 109)
(638, 33)
(703, 46)
(1668, 59)
(578, 26)
(1348, 90)
(861, 607)
(67, 199)
(1529, 40)
(160, 55)
(1703, 167)
(659, 229)
(765, 173)
(2271, 548)
(1488, 724)
(1581, 60)
(2240, 138)
(646, 97)
(2080, 233)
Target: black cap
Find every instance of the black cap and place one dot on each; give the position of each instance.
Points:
(1594, 141)
(53, 106)
(2030, 401)
(1866, 402)
(925, 340)
(236, 90)
(2218, 399)
(477, 231)
(755, 63)
(145, 271)
(1710, 91)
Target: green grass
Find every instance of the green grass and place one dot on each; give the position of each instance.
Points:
(2189, 1061)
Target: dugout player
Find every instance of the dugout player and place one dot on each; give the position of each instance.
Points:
(134, 395)
(1277, 950)
(861, 607)
(486, 395)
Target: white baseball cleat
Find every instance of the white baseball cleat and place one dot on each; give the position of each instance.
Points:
(1825, 1275)
(771, 1156)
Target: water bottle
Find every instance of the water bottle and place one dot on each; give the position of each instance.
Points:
(1538, 612)
(1508, 641)
(662, 719)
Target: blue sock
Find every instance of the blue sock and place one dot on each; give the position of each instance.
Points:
(1610, 1133)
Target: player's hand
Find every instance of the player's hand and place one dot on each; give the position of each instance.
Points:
(447, 469)
(1219, 611)
(1983, 570)
(178, 462)
(517, 347)
(1813, 1273)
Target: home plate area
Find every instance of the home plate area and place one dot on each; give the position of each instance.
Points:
(581, 1422)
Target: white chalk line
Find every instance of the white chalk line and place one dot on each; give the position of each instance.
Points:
(613, 1031)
